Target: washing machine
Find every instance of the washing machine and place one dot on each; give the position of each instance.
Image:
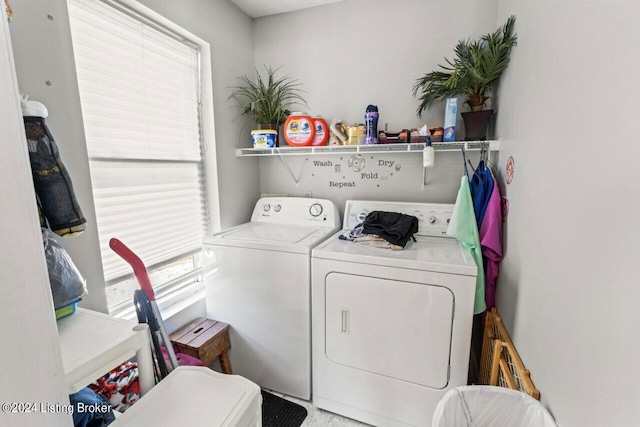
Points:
(258, 280)
(391, 329)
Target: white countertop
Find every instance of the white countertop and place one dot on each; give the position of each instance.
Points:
(93, 343)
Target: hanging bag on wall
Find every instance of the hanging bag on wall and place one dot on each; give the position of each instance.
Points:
(56, 199)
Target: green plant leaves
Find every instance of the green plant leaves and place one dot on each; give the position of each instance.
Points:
(268, 98)
(476, 65)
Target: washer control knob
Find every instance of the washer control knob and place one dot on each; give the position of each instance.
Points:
(266, 207)
(432, 219)
(362, 215)
(277, 208)
(315, 209)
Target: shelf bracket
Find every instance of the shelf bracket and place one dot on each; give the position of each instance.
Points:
(296, 180)
(424, 178)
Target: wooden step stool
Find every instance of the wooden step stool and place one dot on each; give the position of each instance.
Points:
(204, 339)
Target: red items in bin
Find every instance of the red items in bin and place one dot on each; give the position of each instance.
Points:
(120, 386)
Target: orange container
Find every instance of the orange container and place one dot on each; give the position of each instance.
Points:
(322, 131)
(299, 130)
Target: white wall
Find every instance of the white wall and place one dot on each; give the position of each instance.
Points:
(358, 52)
(569, 290)
(33, 372)
(43, 52)
(394, 177)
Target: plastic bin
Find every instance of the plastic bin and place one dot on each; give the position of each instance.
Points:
(490, 406)
(195, 396)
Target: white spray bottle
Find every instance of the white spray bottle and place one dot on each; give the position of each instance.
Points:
(428, 154)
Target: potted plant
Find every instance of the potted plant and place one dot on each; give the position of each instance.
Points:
(267, 98)
(476, 66)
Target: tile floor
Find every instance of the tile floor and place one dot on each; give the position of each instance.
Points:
(319, 418)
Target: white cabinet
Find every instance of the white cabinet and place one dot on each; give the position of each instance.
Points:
(400, 323)
(93, 343)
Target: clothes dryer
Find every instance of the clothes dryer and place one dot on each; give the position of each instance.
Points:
(258, 280)
(391, 329)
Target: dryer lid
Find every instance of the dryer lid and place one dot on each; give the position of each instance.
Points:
(437, 254)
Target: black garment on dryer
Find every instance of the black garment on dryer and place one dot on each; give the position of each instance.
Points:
(56, 198)
(394, 227)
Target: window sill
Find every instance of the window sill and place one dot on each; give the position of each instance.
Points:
(177, 306)
(172, 303)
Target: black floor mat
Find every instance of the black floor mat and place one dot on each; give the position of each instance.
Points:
(279, 412)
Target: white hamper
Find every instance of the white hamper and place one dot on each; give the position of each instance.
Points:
(490, 406)
(197, 397)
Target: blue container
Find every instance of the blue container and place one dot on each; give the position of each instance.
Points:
(264, 138)
(450, 116)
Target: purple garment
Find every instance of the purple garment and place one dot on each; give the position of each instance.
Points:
(491, 243)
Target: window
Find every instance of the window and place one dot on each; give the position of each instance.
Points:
(140, 94)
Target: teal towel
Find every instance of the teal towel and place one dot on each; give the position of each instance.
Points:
(464, 228)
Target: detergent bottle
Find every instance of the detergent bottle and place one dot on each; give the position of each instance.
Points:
(371, 124)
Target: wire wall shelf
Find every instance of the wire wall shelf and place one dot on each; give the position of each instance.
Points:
(368, 149)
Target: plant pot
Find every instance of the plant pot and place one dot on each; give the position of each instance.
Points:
(475, 124)
(274, 126)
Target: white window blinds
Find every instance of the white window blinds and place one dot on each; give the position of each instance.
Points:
(140, 97)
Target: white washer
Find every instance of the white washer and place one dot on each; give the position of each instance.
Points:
(391, 329)
(258, 279)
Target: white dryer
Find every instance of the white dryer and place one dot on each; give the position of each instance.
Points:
(391, 329)
(258, 280)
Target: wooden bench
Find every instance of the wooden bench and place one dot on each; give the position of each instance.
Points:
(204, 339)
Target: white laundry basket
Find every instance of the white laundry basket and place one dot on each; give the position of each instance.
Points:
(490, 406)
(194, 396)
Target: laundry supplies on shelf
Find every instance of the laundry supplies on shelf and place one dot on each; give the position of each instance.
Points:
(322, 131)
(371, 124)
(299, 130)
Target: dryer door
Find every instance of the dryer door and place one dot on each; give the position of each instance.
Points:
(393, 328)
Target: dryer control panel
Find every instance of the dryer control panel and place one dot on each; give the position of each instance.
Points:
(296, 211)
(433, 218)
